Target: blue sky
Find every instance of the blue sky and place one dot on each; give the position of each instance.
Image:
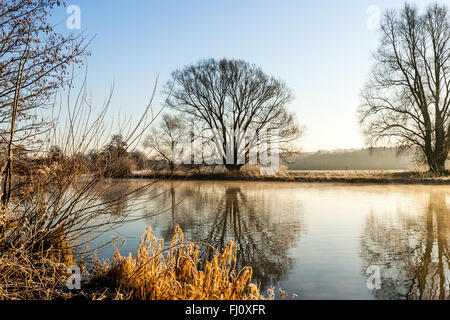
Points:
(322, 49)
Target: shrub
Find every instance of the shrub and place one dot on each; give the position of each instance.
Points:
(120, 168)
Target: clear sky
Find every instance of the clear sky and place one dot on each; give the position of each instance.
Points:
(322, 49)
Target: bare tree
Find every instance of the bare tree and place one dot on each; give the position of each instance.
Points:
(33, 63)
(164, 140)
(407, 98)
(228, 97)
(25, 27)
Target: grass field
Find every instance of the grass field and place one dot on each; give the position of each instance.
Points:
(369, 176)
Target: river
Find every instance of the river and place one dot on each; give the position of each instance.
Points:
(319, 241)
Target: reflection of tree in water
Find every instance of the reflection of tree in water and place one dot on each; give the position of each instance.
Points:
(115, 197)
(413, 254)
(125, 198)
(177, 208)
(220, 216)
(260, 245)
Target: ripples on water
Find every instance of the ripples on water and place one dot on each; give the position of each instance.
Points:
(315, 240)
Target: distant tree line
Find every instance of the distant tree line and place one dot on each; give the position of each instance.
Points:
(355, 159)
(112, 161)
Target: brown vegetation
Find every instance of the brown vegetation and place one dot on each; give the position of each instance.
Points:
(175, 273)
(154, 273)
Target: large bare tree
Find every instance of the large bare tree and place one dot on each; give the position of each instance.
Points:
(232, 98)
(407, 97)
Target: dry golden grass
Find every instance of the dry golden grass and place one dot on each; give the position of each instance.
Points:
(174, 274)
(41, 275)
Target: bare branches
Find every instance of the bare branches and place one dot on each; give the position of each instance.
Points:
(6, 195)
(233, 95)
(25, 24)
(406, 100)
(162, 141)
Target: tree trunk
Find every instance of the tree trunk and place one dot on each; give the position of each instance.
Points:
(437, 164)
(440, 153)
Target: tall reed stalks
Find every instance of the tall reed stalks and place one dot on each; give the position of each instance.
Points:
(175, 273)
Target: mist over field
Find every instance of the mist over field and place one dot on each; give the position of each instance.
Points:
(353, 159)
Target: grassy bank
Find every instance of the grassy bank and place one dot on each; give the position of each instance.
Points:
(154, 273)
(335, 176)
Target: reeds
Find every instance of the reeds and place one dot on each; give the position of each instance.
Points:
(176, 273)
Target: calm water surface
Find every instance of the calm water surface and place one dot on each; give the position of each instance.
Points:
(315, 240)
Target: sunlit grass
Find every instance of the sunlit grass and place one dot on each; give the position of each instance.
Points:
(176, 273)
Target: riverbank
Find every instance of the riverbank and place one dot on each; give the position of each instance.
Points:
(178, 274)
(334, 176)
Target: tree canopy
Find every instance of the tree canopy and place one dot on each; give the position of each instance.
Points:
(233, 97)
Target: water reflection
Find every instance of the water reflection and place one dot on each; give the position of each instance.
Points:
(315, 240)
(412, 251)
(217, 214)
(117, 198)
